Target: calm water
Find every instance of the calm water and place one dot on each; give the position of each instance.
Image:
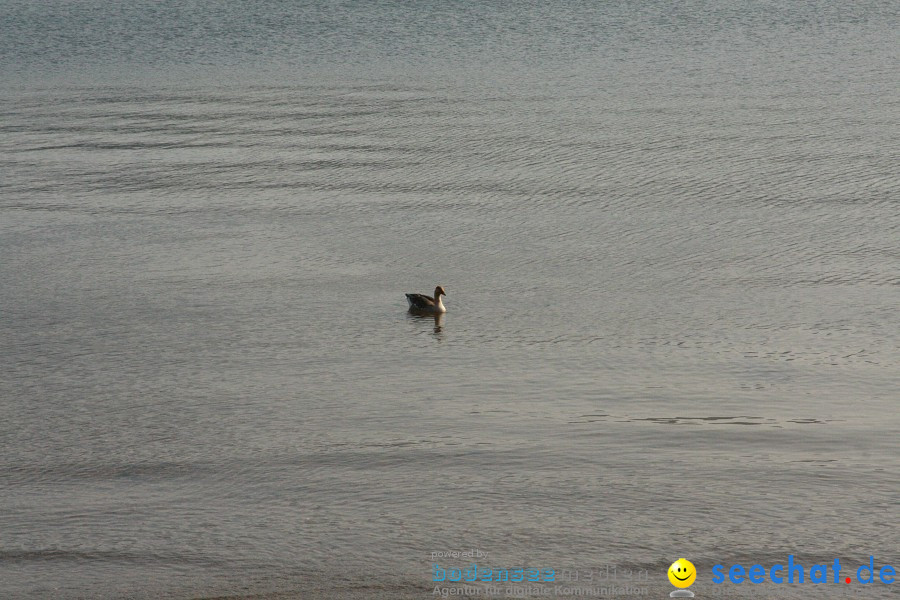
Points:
(670, 235)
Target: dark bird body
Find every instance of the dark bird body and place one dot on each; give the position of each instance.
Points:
(423, 303)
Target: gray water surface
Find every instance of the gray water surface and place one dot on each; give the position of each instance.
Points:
(669, 237)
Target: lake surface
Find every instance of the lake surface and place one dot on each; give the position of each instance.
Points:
(670, 237)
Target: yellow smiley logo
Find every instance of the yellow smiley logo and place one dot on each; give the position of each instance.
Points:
(682, 573)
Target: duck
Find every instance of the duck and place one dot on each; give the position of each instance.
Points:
(427, 304)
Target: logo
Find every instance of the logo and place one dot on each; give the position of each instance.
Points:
(682, 574)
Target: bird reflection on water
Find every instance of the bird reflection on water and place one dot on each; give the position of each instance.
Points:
(436, 319)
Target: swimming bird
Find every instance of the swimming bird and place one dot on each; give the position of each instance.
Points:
(423, 303)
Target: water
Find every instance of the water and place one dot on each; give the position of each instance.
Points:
(669, 237)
